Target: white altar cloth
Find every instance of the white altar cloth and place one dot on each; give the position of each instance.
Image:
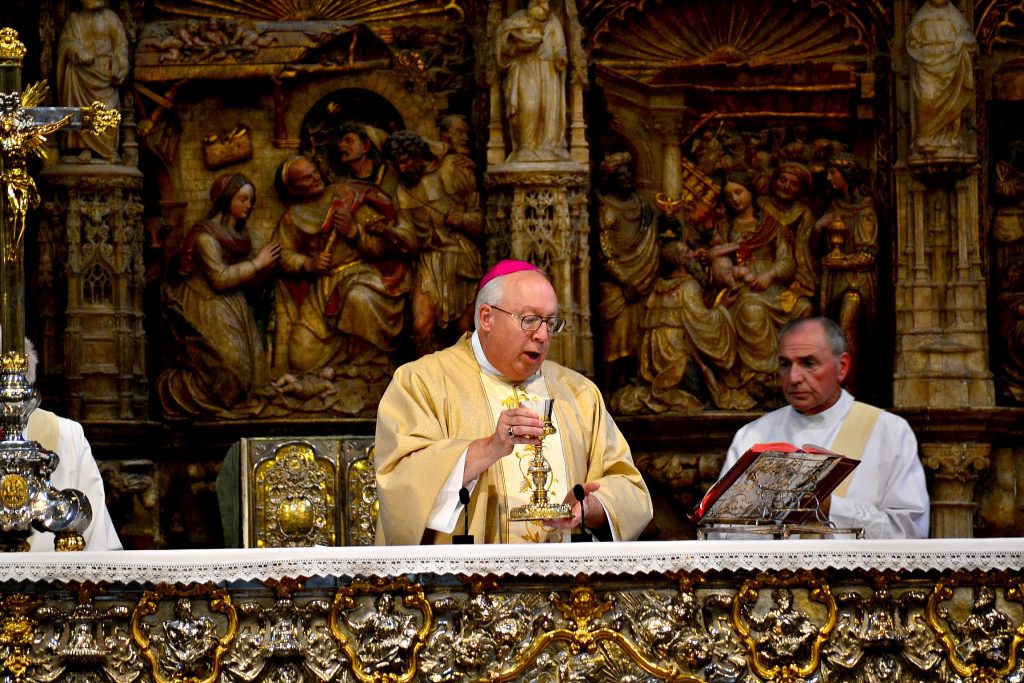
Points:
(564, 560)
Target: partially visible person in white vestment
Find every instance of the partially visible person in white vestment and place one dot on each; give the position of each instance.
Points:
(886, 495)
(452, 420)
(76, 470)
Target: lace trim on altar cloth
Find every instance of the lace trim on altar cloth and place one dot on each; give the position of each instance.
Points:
(565, 560)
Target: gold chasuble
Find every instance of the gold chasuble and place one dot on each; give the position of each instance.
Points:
(437, 405)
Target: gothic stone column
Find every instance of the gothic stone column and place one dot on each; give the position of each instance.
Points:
(104, 345)
(537, 212)
(955, 468)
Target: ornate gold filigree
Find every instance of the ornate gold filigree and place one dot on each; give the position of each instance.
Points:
(182, 648)
(983, 646)
(98, 117)
(13, 362)
(12, 50)
(583, 609)
(381, 643)
(312, 10)
(784, 642)
(295, 498)
(363, 505)
(17, 632)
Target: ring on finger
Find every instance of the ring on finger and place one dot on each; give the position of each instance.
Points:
(511, 434)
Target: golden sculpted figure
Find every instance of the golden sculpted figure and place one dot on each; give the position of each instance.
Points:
(341, 298)
(849, 280)
(437, 201)
(628, 254)
(764, 267)
(531, 51)
(941, 45)
(789, 182)
(217, 359)
(92, 61)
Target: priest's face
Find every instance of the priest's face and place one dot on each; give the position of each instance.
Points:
(810, 373)
(515, 352)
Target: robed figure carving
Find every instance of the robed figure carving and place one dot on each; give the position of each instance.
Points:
(92, 61)
(531, 51)
(940, 44)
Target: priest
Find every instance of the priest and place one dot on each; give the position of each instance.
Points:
(452, 423)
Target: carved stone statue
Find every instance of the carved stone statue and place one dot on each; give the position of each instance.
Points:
(437, 200)
(628, 253)
(341, 299)
(531, 51)
(685, 345)
(757, 243)
(849, 274)
(940, 44)
(92, 61)
(789, 182)
(216, 358)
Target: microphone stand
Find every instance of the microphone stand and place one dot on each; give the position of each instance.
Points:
(464, 538)
(583, 537)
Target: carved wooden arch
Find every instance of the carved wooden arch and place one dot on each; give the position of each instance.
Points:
(418, 111)
(606, 21)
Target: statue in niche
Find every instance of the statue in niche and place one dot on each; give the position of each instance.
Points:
(341, 298)
(217, 358)
(531, 52)
(628, 254)
(849, 278)
(437, 201)
(783, 633)
(92, 62)
(986, 634)
(941, 47)
(789, 182)
(755, 242)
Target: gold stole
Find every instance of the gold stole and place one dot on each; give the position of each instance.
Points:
(853, 436)
(44, 428)
(514, 486)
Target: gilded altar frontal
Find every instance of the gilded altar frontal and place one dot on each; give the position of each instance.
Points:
(302, 195)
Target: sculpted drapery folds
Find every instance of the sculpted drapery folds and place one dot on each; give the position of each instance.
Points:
(217, 357)
(940, 44)
(437, 201)
(341, 299)
(789, 183)
(628, 244)
(759, 247)
(849, 280)
(92, 61)
(531, 51)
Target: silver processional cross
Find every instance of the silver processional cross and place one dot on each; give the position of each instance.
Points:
(27, 498)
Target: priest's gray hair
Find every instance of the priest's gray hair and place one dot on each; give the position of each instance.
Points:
(491, 294)
(834, 336)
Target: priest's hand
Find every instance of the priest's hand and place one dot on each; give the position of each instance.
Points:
(592, 508)
(515, 426)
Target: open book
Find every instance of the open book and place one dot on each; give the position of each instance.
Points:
(774, 482)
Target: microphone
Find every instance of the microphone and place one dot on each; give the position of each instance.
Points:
(466, 538)
(583, 537)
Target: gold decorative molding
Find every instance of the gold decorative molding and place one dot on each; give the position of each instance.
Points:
(12, 50)
(186, 648)
(17, 633)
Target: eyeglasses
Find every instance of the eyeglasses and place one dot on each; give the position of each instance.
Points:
(531, 323)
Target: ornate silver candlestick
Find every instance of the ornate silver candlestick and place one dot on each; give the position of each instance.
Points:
(27, 499)
(539, 507)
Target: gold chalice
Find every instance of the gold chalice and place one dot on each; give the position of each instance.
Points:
(539, 507)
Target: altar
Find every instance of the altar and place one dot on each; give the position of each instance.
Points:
(794, 610)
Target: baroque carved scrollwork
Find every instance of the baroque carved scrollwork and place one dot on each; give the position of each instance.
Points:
(381, 640)
(186, 648)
